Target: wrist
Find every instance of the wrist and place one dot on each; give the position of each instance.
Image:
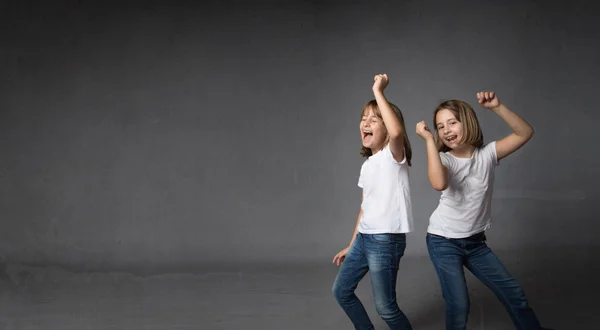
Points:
(378, 92)
(497, 108)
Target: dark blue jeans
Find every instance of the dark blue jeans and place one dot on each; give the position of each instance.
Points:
(378, 254)
(450, 255)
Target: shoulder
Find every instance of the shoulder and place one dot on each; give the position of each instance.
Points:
(364, 163)
(445, 154)
(490, 146)
(389, 157)
(488, 153)
(446, 158)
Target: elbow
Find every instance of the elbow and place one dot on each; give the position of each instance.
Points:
(531, 133)
(439, 186)
(527, 136)
(396, 134)
(438, 181)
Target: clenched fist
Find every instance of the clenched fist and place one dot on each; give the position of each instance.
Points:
(381, 82)
(488, 100)
(423, 131)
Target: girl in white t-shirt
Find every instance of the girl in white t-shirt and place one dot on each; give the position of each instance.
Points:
(462, 168)
(379, 238)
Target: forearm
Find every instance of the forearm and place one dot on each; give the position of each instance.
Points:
(389, 116)
(435, 170)
(518, 125)
(356, 228)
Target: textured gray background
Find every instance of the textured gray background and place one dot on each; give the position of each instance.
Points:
(180, 134)
(166, 137)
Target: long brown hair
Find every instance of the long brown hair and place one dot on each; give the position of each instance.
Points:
(372, 105)
(465, 114)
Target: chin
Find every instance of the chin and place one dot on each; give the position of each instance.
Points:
(451, 146)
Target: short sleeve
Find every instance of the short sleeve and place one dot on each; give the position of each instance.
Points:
(444, 159)
(361, 177)
(490, 153)
(388, 154)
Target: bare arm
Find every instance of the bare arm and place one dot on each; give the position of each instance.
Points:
(356, 226)
(437, 173)
(339, 258)
(522, 131)
(391, 121)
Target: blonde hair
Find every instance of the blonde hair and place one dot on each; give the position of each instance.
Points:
(372, 105)
(465, 114)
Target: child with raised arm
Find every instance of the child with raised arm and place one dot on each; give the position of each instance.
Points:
(385, 216)
(462, 168)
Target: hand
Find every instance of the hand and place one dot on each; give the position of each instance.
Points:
(339, 258)
(381, 82)
(423, 131)
(488, 100)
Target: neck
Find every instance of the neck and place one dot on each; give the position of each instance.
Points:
(463, 151)
(375, 150)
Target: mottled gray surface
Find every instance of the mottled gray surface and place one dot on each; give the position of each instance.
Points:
(144, 139)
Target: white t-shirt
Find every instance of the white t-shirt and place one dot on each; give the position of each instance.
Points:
(386, 207)
(465, 206)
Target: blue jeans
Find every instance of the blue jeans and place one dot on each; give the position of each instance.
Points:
(450, 255)
(380, 255)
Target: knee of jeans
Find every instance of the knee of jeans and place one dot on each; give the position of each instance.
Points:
(387, 310)
(340, 292)
(519, 301)
(459, 307)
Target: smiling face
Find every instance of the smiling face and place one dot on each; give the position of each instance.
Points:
(373, 133)
(457, 127)
(372, 130)
(449, 129)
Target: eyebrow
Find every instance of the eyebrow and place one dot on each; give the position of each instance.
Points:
(441, 122)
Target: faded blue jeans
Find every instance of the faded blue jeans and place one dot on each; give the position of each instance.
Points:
(450, 255)
(378, 254)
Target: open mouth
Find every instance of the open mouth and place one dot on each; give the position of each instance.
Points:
(451, 138)
(367, 133)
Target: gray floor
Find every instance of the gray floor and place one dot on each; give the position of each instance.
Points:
(290, 296)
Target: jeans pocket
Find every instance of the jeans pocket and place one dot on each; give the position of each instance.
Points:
(382, 238)
(437, 245)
